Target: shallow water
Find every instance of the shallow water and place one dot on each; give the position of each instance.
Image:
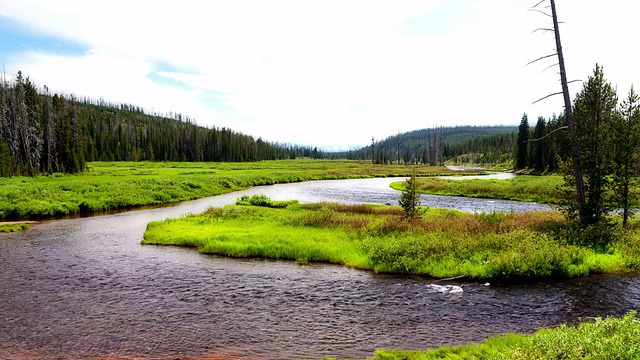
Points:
(86, 288)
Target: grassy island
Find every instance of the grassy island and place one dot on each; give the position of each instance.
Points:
(441, 243)
(13, 227)
(540, 189)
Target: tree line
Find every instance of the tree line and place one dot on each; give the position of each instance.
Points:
(459, 144)
(42, 133)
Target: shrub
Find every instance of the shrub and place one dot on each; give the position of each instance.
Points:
(264, 201)
(535, 256)
(410, 198)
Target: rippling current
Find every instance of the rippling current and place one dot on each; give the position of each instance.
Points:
(86, 288)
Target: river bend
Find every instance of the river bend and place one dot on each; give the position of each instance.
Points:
(85, 288)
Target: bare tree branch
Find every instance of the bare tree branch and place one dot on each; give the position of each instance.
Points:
(536, 5)
(541, 12)
(541, 58)
(549, 134)
(572, 81)
(548, 96)
(550, 66)
(543, 29)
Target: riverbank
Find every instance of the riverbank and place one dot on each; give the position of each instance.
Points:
(608, 338)
(121, 185)
(503, 247)
(539, 189)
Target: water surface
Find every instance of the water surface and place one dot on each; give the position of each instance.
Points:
(86, 288)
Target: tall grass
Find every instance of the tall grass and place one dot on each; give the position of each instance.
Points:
(240, 231)
(503, 247)
(608, 338)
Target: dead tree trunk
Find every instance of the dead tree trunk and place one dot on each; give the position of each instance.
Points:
(577, 172)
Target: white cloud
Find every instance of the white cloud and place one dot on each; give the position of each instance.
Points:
(326, 72)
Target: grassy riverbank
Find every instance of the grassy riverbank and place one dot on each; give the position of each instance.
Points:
(540, 189)
(117, 185)
(444, 243)
(609, 338)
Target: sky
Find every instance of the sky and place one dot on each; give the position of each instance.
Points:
(324, 73)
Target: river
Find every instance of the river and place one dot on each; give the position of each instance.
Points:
(86, 288)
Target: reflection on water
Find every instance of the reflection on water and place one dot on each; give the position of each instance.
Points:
(85, 287)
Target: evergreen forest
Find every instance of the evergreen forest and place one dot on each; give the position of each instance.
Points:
(42, 133)
(458, 144)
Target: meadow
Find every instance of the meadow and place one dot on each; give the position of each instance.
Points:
(502, 247)
(119, 185)
(540, 189)
(608, 338)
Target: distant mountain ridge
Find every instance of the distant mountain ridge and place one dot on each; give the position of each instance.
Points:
(435, 145)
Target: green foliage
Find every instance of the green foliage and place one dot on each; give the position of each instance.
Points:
(502, 247)
(263, 200)
(117, 185)
(522, 145)
(539, 145)
(489, 144)
(59, 134)
(626, 132)
(13, 227)
(594, 115)
(496, 347)
(541, 189)
(535, 256)
(608, 338)
(410, 197)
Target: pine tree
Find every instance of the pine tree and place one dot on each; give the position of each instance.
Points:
(626, 138)
(410, 197)
(539, 146)
(522, 143)
(594, 114)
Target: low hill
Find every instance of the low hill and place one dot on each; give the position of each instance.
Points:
(488, 144)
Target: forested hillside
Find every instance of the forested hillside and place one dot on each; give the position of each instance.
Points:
(44, 133)
(475, 144)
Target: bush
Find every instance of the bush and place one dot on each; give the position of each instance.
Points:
(608, 338)
(536, 256)
(264, 201)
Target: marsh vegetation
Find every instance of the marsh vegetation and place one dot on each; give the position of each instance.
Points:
(442, 243)
(608, 338)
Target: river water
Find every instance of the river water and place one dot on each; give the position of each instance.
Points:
(86, 288)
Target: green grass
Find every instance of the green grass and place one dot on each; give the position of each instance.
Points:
(117, 185)
(540, 189)
(504, 247)
(13, 227)
(609, 338)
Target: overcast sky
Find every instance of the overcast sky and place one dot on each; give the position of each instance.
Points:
(319, 72)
